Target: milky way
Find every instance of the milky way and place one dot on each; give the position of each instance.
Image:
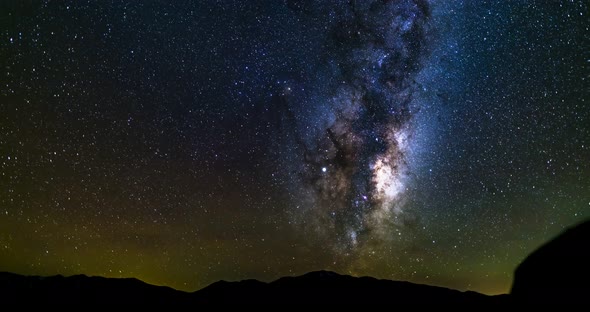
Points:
(356, 142)
(186, 142)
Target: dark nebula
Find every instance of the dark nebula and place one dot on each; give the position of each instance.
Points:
(354, 149)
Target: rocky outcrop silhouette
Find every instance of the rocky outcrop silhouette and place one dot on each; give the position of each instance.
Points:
(557, 272)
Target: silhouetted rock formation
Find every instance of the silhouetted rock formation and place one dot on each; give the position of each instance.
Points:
(558, 271)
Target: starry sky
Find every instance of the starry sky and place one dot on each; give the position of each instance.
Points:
(184, 142)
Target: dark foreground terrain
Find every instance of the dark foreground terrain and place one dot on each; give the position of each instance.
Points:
(315, 287)
(558, 272)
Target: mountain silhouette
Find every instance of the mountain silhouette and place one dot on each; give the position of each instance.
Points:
(83, 290)
(315, 287)
(557, 273)
(331, 288)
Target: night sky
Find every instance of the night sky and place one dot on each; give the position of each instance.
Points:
(184, 142)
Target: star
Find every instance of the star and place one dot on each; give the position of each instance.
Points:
(185, 142)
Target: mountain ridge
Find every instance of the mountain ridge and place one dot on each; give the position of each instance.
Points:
(557, 272)
(317, 286)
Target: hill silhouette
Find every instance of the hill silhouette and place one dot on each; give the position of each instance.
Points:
(331, 288)
(82, 289)
(314, 287)
(556, 272)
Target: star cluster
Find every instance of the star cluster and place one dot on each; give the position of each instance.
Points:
(185, 142)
